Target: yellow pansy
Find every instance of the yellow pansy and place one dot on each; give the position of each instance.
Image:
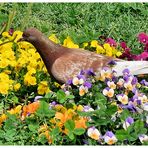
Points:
(100, 49)
(29, 80)
(16, 110)
(43, 88)
(94, 43)
(69, 43)
(4, 87)
(118, 54)
(85, 45)
(53, 38)
(17, 86)
(6, 34)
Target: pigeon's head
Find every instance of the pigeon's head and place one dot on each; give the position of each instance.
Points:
(31, 35)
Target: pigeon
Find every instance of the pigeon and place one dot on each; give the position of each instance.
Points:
(64, 63)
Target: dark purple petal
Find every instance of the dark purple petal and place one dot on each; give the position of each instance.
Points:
(90, 72)
(82, 72)
(130, 120)
(139, 102)
(126, 71)
(88, 85)
(144, 82)
(69, 82)
(112, 63)
(134, 81)
(81, 77)
(109, 134)
(107, 88)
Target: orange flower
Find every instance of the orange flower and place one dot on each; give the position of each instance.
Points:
(44, 131)
(81, 123)
(63, 117)
(3, 117)
(30, 108)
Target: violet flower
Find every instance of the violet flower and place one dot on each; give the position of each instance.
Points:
(87, 84)
(111, 42)
(90, 72)
(11, 31)
(144, 82)
(128, 122)
(112, 63)
(143, 38)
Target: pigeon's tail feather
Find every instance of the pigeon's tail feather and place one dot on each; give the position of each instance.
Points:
(135, 67)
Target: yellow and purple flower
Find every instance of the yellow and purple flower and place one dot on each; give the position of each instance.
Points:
(128, 122)
(83, 90)
(143, 138)
(111, 84)
(122, 98)
(110, 138)
(94, 133)
(109, 92)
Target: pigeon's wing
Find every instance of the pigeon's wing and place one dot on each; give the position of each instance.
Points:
(72, 62)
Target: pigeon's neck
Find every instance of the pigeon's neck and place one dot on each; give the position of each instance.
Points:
(48, 50)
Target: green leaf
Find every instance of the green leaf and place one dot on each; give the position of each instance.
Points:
(71, 135)
(55, 132)
(14, 99)
(44, 111)
(70, 97)
(99, 97)
(121, 134)
(124, 114)
(48, 95)
(79, 131)
(70, 125)
(33, 127)
(111, 109)
(139, 127)
(61, 96)
(10, 134)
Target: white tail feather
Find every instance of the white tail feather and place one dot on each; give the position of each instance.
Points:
(135, 67)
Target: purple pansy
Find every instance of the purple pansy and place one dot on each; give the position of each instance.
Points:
(87, 84)
(144, 82)
(69, 82)
(126, 71)
(90, 72)
(134, 81)
(112, 63)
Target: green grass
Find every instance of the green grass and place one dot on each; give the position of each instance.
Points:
(81, 21)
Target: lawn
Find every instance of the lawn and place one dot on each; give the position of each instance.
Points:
(88, 109)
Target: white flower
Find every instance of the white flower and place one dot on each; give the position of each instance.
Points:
(123, 98)
(82, 90)
(93, 133)
(128, 122)
(75, 81)
(145, 106)
(108, 92)
(143, 138)
(110, 138)
(111, 84)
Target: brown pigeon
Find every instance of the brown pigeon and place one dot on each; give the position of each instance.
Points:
(64, 63)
